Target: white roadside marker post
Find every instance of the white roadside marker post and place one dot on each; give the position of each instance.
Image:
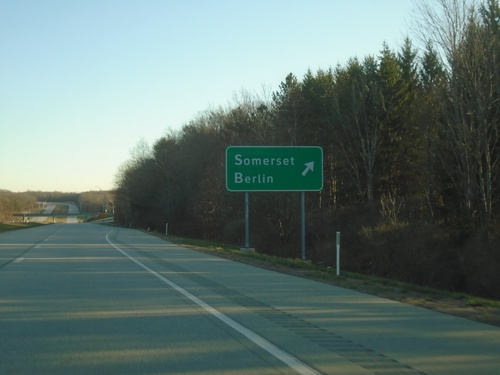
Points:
(338, 253)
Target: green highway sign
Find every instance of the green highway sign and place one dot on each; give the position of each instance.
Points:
(274, 168)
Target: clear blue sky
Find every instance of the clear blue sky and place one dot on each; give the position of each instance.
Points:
(82, 81)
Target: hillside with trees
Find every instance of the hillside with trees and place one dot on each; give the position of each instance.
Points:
(411, 160)
(15, 202)
(88, 202)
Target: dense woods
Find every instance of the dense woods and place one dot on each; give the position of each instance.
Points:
(411, 160)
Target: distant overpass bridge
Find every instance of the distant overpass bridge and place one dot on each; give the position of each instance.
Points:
(53, 216)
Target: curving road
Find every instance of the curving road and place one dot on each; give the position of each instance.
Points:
(49, 207)
(92, 299)
(72, 209)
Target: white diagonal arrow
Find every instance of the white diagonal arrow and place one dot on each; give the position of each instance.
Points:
(309, 167)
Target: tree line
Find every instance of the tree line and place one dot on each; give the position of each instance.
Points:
(88, 202)
(11, 203)
(410, 139)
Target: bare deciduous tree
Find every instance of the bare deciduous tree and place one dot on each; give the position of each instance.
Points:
(470, 130)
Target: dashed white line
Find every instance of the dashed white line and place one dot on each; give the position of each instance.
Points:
(18, 260)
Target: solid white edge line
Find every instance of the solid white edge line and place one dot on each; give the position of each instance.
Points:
(272, 349)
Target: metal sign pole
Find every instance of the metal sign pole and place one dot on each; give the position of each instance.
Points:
(303, 223)
(247, 219)
(247, 248)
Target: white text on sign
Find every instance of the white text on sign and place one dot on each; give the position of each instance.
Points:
(239, 160)
(239, 178)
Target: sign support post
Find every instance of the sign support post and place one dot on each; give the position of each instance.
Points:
(303, 223)
(247, 219)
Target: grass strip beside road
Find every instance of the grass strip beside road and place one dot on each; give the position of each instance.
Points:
(5, 227)
(475, 308)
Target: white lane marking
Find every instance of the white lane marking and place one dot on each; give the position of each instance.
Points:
(18, 260)
(288, 359)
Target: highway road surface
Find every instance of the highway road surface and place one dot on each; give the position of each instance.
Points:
(94, 299)
(49, 207)
(72, 209)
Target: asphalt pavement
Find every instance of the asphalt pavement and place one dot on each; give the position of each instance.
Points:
(72, 209)
(49, 207)
(94, 299)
